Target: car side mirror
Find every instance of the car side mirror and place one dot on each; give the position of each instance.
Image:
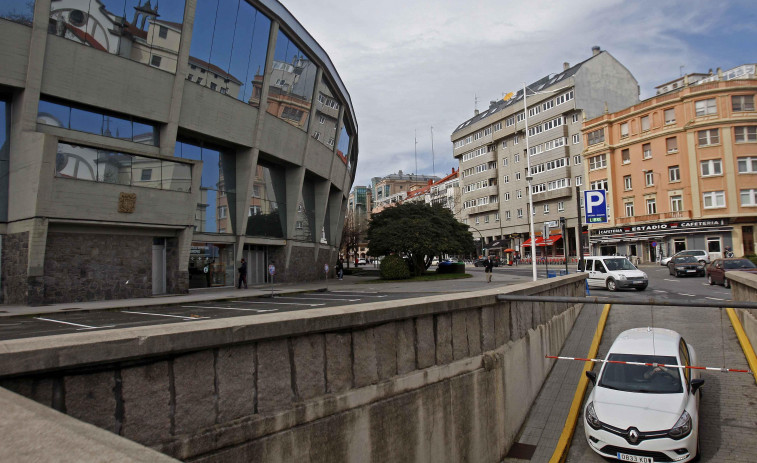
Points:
(696, 384)
(593, 377)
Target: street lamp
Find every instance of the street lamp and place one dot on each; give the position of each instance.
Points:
(481, 236)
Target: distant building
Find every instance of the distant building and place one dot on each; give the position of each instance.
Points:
(445, 192)
(394, 188)
(680, 169)
(491, 150)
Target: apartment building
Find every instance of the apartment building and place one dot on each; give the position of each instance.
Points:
(394, 188)
(680, 169)
(495, 147)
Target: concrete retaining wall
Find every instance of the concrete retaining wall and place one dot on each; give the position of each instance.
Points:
(442, 378)
(744, 288)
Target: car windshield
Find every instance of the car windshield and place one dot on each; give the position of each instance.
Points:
(641, 378)
(740, 263)
(620, 263)
(686, 259)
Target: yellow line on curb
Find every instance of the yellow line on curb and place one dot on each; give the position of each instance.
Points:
(563, 444)
(746, 346)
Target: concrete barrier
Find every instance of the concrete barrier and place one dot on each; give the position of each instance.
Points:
(440, 378)
(744, 288)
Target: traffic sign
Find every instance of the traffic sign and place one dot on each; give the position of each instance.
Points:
(595, 205)
(271, 269)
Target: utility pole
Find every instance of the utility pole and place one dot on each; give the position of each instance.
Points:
(433, 166)
(580, 249)
(416, 153)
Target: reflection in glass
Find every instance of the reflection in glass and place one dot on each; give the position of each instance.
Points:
(20, 11)
(292, 78)
(267, 214)
(211, 265)
(84, 120)
(305, 217)
(343, 149)
(4, 157)
(133, 29)
(326, 115)
(86, 163)
(229, 46)
(217, 187)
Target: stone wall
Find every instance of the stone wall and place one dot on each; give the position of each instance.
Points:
(15, 258)
(302, 266)
(177, 279)
(744, 288)
(442, 378)
(90, 267)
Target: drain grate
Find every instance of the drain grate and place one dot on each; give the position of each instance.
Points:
(521, 451)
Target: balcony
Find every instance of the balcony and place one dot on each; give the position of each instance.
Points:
(681, 215)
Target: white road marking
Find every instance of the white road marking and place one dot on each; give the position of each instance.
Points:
(361, 292)
(315, 299)
(349, 295)
(659, 291)
(715, 298)
(668, 279)
(279, 303)
(684, 294)
(228, 308)
(86, 327)
(165, 315)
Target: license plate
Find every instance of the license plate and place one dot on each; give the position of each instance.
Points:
(691, 271)
(638, 282)
(634, 458)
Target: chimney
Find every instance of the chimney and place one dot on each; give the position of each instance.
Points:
(595, 50)
(475, 112)
(399, 173)
(565, 66)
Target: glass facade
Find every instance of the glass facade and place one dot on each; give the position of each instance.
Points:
(292, 80)
(4, 157)
(132, 29)
(343, 149)
(96, 122)
(305, 218)
(229, 47)
(327, 115)
(211, 265)
(107, 166)
(217, 187)
(267, 213)
(20, 11)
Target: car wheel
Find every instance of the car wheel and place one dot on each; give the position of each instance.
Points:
(710, 280)
(726, 283)
(611, 285)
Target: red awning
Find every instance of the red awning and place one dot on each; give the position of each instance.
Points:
(509, 250)
(551, 240)
(539, 242)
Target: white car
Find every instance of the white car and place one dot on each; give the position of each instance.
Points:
(613, 272)
(701, 255)
(645, 413)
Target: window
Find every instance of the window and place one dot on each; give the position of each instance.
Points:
(599, 185)
(713, 244)
(486, 218)
(624, 129)
(190, 77)
(713, 199)
(576, 138)
(749, 197)
(670, 116)
(742, 103)
(674, 174)
(708, 137)
(627, 182)
(598, 162)
(560, 206)
(645, 123)
(146, 174)
(520, 213)
(163, 32)
(596, 136)
(507, 215)
(651, 206)
(626, 155)
(711, 167)
(254, 210)
(476, 220)
(155, 61)
(546, 209)
(507, 196)
(671, 144)
(518, 194)
(575, 118)
(745, 134)
(507, 179)
(705, 107)
(576, 159)
(222, 212)
(747, 165)
(629, 208)
(516, 157)
(504, 161)
(213, 86)
(496, 217)
(646, 149)
(199, 80)
(509, 121)
(517, 176)
(579, 180)
(649, 178)
(676, 203)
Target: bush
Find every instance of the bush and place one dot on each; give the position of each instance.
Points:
(394, 268)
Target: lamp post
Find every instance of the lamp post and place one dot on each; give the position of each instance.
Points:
(481, 236)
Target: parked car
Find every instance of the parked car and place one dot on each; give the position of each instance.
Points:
(685, 265)
(613, 272)
(717, 272)
(649, 411)
(361, 261)
(701, 255)
(482, 262)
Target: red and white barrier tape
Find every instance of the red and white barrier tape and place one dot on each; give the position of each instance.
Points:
(722, 370)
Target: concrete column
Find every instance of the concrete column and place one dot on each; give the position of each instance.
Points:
(295, 177)
(322, 188)
(246, 166)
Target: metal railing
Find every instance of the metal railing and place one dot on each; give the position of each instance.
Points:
(633, 301)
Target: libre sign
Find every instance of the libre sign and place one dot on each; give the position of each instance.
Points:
(595, 204)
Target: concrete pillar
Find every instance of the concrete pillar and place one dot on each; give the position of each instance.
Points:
(322, 188)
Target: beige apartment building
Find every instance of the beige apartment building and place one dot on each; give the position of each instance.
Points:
(680, 168)
(494, 153)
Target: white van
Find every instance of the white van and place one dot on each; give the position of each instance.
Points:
(613, 272)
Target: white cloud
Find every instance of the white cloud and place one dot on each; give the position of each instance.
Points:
(412, 65)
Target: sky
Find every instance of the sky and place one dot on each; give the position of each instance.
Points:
(412, 65)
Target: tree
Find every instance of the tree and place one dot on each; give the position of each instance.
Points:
(418, 231)
(352, 235)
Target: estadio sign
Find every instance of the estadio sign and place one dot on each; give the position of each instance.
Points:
(669, 226)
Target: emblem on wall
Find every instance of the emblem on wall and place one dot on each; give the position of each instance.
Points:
(127, 202)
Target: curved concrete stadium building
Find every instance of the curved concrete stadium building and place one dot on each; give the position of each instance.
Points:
(146, 148)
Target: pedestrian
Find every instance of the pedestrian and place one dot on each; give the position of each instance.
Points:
(242, 275)
(488, 268)
(339, 268)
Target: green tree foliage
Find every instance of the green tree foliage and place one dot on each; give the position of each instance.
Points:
(418, 231)
(394, 267)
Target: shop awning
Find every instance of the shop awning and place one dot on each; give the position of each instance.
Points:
(551, 240)
(509, 250)
(539, 242)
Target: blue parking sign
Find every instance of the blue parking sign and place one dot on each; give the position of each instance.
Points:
(595, 205)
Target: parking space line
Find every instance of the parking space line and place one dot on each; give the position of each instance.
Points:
(350, 295)
(85, 327)
(228, 308)
(315, 299)
(668, 279)
(684, 294)
(165, 315)
(659, 291)
(279, 303)
(361, 292)
(715, 298)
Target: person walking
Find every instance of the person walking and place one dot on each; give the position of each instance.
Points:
(242, 275)
(488, 269)
(340, 268)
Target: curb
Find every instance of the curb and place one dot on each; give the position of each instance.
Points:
(746, 346)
